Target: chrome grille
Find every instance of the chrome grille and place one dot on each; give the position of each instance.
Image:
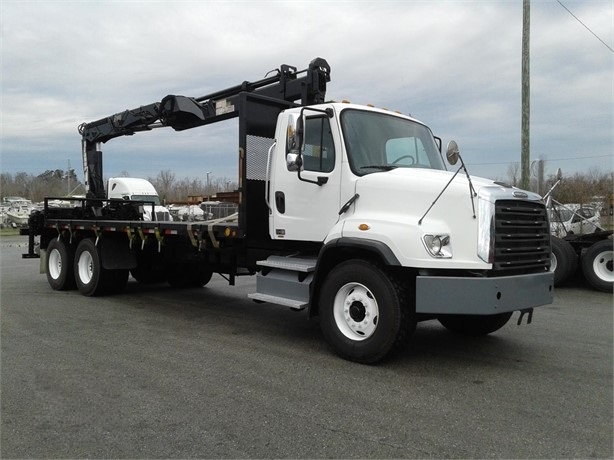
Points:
(522, 237)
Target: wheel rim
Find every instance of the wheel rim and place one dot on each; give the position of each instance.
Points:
(356, 311)
(602, 266)
(85, 267)
(553, 263)
(54, 264)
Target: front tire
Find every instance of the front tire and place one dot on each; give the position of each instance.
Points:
(60, 259)
(365, 312)
(597, 265)
(474, 325)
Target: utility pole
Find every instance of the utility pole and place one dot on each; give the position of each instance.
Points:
(525, 154)
(208, 186)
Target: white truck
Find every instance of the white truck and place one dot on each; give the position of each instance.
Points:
(345, 212)
(136, 189)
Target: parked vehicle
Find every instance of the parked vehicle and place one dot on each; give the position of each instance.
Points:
(136, 189)
(573, 249)
(17, 211)
(344, 211)
(573, 219)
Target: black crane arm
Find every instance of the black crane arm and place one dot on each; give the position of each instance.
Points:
(181, 112)
(121, 124)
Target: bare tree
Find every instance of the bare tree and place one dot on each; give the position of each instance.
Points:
(164, 184)
(513, 173)
(583, 188)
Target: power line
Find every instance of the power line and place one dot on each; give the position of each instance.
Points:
(585, 26)
(549, 160)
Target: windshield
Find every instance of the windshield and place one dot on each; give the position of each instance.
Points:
(380, 142)
(560, 215)
(148, 198)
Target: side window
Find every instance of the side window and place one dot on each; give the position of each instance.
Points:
(319, 151)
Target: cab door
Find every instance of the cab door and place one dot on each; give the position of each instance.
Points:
(305, 203)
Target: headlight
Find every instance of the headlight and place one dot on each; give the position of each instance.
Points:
(438, 245)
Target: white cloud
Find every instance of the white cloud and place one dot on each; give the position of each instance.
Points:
(455, 65)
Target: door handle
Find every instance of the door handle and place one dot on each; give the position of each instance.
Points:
(280, 202)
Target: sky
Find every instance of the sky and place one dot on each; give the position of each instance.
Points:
(455, 65)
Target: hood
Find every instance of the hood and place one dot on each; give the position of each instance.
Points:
(410, 192)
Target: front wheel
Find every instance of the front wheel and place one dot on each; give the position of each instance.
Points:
(597, 265)
(365, 312)
(474, 325)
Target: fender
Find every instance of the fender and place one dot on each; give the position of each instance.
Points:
(325, 263)
(381, 249)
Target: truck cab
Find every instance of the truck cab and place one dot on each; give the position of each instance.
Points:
(346, 150)
(136, 189)
(370, 175)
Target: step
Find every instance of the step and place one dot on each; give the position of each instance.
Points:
(293, 304)
(304, 265)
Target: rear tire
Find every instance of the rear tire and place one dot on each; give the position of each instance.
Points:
(188, 275)
(564, 260)
(120, 279)
(474, 325)
(60, 259)
(144, 274)
(597, 265)
(365, 312)
(91, 278)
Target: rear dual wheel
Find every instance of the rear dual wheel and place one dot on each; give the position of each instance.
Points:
(60, 260)
(91, 277)
(188, 275)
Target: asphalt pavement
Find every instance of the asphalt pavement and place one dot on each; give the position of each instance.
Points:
(206, 373)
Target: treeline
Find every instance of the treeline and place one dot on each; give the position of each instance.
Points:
(170, 189)
(587, 188)
(582, 188)
(35, 187)
(59, 183)
(577, 188)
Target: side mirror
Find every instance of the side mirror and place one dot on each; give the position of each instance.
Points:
(452, 152)
(294, 134)
(294, 162)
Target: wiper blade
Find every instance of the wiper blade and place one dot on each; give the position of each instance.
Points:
(382, 167)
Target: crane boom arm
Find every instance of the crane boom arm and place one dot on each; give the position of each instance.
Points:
(181, 112)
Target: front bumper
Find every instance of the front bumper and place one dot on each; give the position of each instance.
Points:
(482, 296)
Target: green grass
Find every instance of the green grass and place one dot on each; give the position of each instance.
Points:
(9, 232)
